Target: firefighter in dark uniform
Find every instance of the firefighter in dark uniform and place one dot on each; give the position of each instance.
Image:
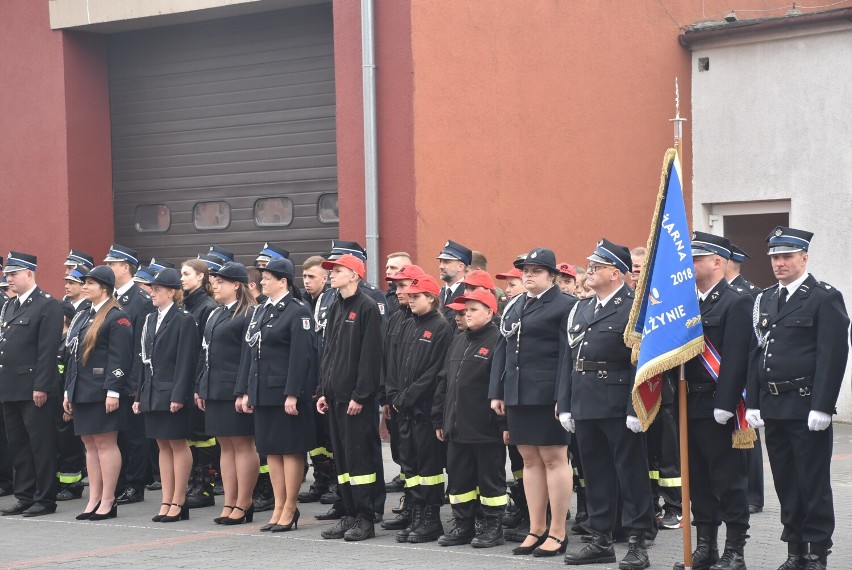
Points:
(395, 262)
(400, 281)
(453, 262)
(30, 333)
(5, 464)
(349, 380)
(598, 407)
(755, 456)
(476, 454)
(798, 358)
(715, 381)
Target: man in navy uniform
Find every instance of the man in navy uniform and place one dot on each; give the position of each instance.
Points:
(798, 358)
(715, 382)
(755, 456)
(136, 466)
(596, 404)
(77, 258)
(30, 333)
(453, 262)
(270, 252)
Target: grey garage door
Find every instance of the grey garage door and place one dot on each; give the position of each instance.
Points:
(224, 132)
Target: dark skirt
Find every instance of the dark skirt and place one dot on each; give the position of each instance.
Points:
(222, 420)
(278, 433)
(90, 418)
(535, 425)
(168, 425)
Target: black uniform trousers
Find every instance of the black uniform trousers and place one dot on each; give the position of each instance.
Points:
(423, 455)
(353, 441)
(393, 432)
(380, 494)
(136, 460)
(718, 474)
(72, 453)
(31, 432)
(5, 462)
(476, 478)
(755, 473)
(615, 463)
(516, 464)
(664, 457)
(800, 460)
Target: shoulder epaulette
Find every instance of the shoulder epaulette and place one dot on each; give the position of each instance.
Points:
(44, 294)
(299, 302)
(826, 286)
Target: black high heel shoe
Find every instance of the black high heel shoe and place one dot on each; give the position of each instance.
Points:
(248, 516)
(293, 524)
(218, 520)
(183, 515)
(158, 518)
(542, 553)
(113, 513)
(267, 526)
(86, 515)
(523, 550)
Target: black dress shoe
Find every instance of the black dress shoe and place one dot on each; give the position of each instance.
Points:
(70, 492)
(754, 509)
(155, 486)
(16, 509)
(332, 515)
(130, 495)
(39, 509)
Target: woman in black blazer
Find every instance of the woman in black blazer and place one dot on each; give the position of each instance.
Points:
(221, 351)
(278, 375)
(169, 357)
(100, 355)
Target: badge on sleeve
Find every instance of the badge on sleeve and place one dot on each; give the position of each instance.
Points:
(306, 324)
(118, 373)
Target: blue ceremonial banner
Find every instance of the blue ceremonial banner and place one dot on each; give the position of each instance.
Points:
(664, 329)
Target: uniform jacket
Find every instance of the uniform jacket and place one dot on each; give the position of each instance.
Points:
(329, 297)
(224, 337)
(352, 358)
(28, 347)
(413, 378)
(531, 362)
(391, 347)
(170, 374)
(740, 282)
(110, 362)
(136, 303)
(199, 304)
(449, 314)
(461, 407)
(280, 357)
(599, 338)
(391, 300)
(726, 318)
(808, 337)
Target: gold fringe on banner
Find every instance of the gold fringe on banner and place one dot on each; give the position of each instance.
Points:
(744, 438)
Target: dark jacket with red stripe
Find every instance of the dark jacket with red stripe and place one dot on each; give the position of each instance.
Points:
(461, 406)
(110, 362)
(423, 345)
(726, 318)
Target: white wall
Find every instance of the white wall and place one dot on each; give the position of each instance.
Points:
(772, 120)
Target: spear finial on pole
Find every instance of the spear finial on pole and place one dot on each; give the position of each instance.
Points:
(678, 120)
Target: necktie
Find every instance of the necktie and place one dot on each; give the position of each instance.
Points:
(448, 296)
(598, 308)
(528, 302)
(16, 305)
(782, 298)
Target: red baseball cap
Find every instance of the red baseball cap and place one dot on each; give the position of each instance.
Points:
(485, 297)
(456, 306)
(515, 272)
(479, 278)
(567, 269)
(407, 272)
(423, 284)
(348, 261)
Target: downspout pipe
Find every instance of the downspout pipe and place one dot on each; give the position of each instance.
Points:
(371, 186)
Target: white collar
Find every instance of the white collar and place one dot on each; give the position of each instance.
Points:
(24, 296)
(540, 295)
(78, 302)
(702, 296)
(606, 299)
(99, 305)
(230, 305)
(794, 286)
(271, 302)
(124, 288)
(162, 312)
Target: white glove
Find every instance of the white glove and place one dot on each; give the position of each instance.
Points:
(818, 421)
(567, 422)
(753, 418)
(633, 424)
(722, 416)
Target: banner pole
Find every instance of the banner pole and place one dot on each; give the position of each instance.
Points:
(684, 470)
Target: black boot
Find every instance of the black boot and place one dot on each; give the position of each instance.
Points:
(414, 522)
(492, 533)
(461, 533)
(430, 527)
(637, 556)
(732, 557)
(517, 513)
(796, 552)
(403, 516)
(330, 496)
(334, 513)
(707, 552)
(202, 494)
(818, 557)
(339, 530)
(362, 529)
(582, 511)
(321, 481)
(598, 551)
(262, 498)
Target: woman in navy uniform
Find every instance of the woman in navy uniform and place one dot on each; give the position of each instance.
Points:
(222, 347)
(169, 356)
(528, 366)
(100, 357)
(277, 378)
